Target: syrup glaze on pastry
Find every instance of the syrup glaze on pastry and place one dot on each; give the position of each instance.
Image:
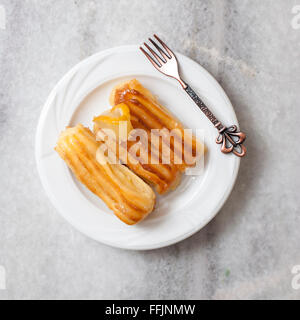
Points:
(130, 198)
(147, 114)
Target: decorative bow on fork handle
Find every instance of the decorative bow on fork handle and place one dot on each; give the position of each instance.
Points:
(165, 61)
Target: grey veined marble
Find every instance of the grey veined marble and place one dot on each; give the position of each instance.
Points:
(248, 251)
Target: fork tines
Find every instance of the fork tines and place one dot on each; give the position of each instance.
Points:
(161, 56)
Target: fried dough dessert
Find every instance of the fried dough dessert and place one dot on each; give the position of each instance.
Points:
(162, 176)
(130, 198)
(147, 114)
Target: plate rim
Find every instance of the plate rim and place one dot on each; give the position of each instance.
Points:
(52, 199)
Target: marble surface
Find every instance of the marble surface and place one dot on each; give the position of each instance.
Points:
(249, 249)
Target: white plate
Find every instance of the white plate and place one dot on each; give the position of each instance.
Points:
(82, 94)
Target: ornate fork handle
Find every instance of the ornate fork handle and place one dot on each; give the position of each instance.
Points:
(230, 138)
(165, 61)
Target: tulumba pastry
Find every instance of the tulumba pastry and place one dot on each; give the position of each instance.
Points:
(143, 111)
(130, 198)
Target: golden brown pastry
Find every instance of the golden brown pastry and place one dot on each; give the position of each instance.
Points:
(130, 198)
(147, 114)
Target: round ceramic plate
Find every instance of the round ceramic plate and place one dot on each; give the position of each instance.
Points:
(84, 93)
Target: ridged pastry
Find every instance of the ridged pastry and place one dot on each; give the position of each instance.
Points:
(130, 198)
(147, 114)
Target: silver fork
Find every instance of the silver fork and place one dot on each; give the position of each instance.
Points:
(165, 61)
